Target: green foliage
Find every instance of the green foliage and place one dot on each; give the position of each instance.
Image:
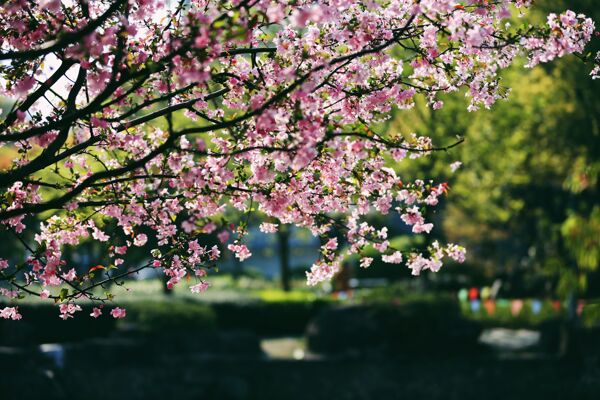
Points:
(591, 315)
(582, 238)
(399, 293)
(41, 324)
(287, 317)
(278, 295)
(165, 316)
(525, 204)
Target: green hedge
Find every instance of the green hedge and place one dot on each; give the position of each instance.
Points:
(268, 318)
(41, 324)
(412, 327)
(160, 316)
(591, 315)
(407, 316)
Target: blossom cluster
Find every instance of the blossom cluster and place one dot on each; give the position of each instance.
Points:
(596, 71)
(160, 122)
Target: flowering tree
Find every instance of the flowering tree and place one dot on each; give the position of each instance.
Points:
(286, 97)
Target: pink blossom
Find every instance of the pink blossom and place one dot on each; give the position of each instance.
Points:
(99, 122)
(209, 228)
(455, 165)
(25, 85)
(121, 250)
(96, 312)
(200, 287)
(223, 236)
(140, 240)
(302, 16)
(457, 253)
(275, 12)
(595, 74)
(240, 250)
(67, 310)
(214, 253)
(202, 39)
(394, 258)
(412, 216)
(50, 5)
(365, 262)
(321, 271)
(10, 313)
(267, 227)
(118, 312)
(420, 228)
(99, 235)
(331, 244)
(194, 247)
(11, 294)
(70, 276)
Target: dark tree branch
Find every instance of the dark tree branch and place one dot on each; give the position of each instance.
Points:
(66, 40)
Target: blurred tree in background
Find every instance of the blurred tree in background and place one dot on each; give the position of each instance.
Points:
(525, 203)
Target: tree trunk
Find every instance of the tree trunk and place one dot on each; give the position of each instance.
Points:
(284, 256)
(166, 290)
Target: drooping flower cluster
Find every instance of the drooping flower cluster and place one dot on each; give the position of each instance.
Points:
(10, 313)
(567, 34)
(161, 121)
(596, 71)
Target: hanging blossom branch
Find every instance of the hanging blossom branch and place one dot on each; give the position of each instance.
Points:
(595, 74)
(140, 125)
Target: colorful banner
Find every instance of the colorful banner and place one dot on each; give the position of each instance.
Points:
(463, 295)
(490, 306)
(473, 293)
(580, 305)
(536, 307)
(556, 305)
(515, 307)
(479, 298)
(485, 293)
(502, 304)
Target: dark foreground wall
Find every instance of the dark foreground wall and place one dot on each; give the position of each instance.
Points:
(224, 377)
